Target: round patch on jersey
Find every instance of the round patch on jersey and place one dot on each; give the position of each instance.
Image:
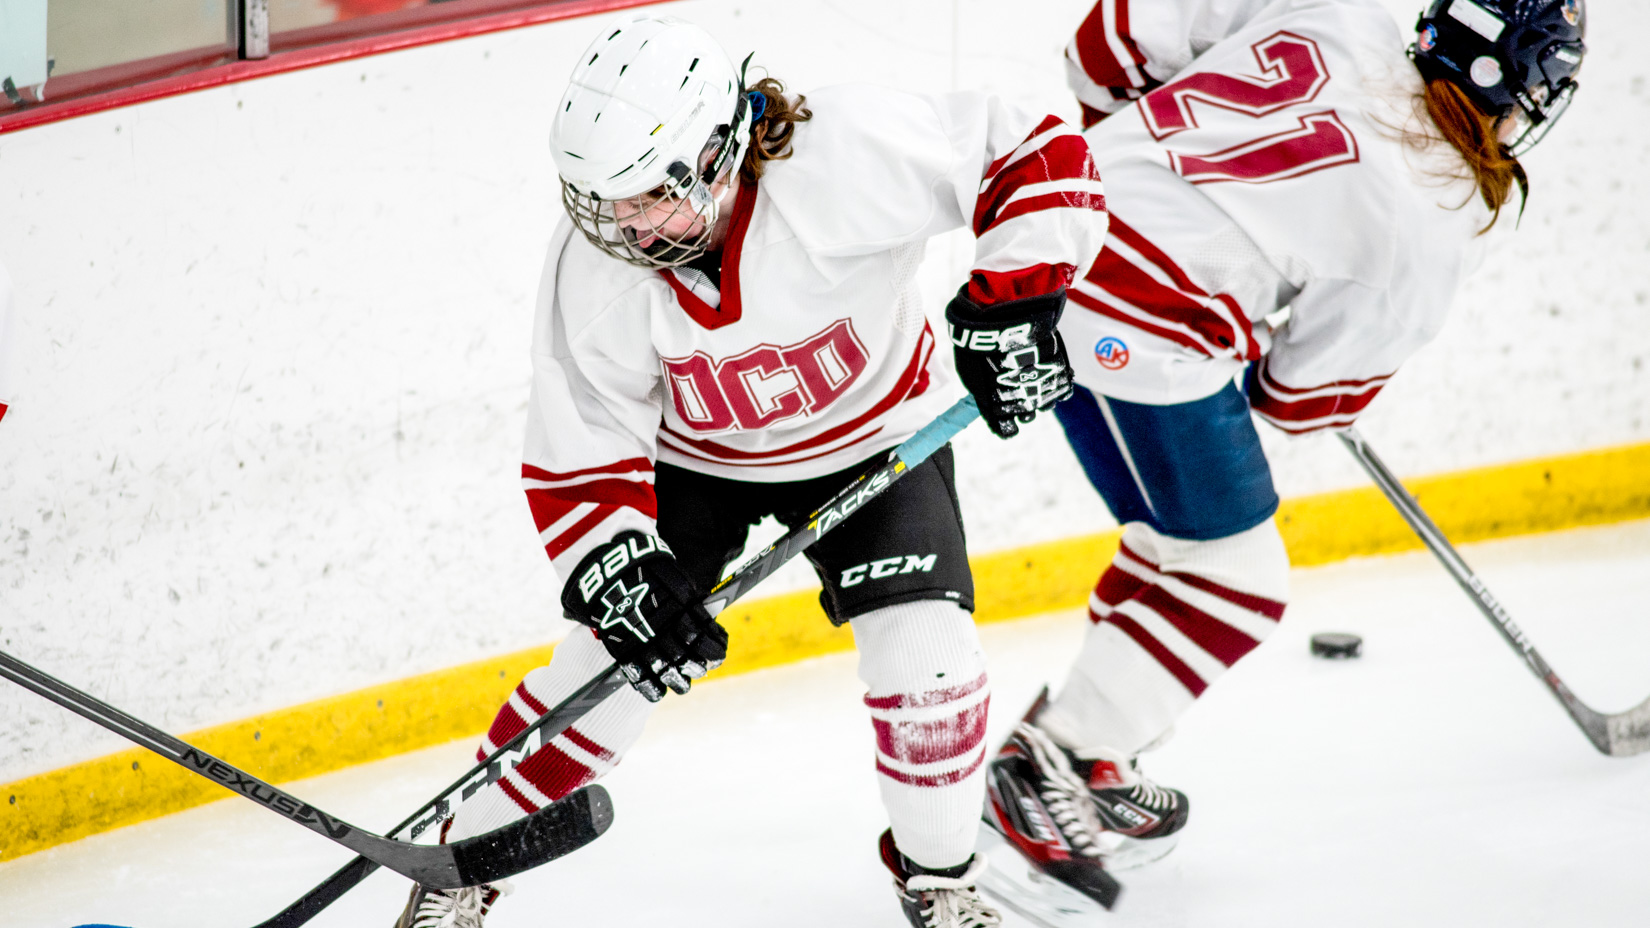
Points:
(1428, 39)
(1486, 71)
(1112, 354)
(1572, 12)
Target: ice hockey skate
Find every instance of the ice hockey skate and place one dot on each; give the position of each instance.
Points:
(451, 908)
(1139, 818)
(935, 899)
(1043, 834)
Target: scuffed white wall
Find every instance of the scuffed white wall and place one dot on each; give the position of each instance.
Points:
(272, 343)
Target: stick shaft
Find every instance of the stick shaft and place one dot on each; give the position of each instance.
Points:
(1592, 723)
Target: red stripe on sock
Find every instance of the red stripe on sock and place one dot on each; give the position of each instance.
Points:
(554, 773)
(532, 701)
(517, 796)
(1174, 665)
(1225, 643)
(588, 746)
(937, 780)
(930, 698)
(1117, 584)
(933, 741)
(1259, 605)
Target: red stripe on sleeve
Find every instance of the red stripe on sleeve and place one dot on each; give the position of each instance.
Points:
(1072, 199)
(1048, 123)
(581, 528)
(1094, 50)
(987, 288)
(1347, 401)
(626, 466)
(1064, 157)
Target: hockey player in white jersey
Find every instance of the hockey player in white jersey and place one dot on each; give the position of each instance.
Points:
(1298, 190)
(729, 328)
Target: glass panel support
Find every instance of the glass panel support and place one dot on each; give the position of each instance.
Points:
(249, 27)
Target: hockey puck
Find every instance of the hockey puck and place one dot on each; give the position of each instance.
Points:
(1336, 645)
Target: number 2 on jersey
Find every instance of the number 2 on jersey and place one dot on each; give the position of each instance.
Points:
(1291, 71)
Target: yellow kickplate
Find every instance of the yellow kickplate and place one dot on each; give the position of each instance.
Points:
(287, 744)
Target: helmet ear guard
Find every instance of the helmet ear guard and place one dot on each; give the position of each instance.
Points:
(1514, 59)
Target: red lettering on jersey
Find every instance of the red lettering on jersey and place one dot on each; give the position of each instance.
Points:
(760, 388)
(1292, 71)
(1322, 141)
(696, 393)
(828, 363)
(766, 384)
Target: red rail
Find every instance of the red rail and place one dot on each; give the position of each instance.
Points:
(182, 72)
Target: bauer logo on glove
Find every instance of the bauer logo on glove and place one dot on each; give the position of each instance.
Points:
(646, 613)
(1010, 357)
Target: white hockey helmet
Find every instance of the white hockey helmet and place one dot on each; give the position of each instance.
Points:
(654, 113)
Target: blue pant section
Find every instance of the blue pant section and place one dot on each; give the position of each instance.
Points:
(1198, 470)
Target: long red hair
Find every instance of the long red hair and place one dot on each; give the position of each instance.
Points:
(1472, 132)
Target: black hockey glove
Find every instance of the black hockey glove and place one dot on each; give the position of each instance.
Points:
(636, 597)
(1010, 356)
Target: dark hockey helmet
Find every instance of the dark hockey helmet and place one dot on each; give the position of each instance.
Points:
(1515, 59)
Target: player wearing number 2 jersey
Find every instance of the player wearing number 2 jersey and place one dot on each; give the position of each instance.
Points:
(1297, 200)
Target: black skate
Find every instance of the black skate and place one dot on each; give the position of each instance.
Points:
(938, 899)
(1043, 835)
(1140, 818)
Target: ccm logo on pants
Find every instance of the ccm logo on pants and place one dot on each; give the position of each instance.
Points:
(888, 567)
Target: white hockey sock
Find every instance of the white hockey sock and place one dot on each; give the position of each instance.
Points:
(928, 697)
(586, 750)
(1170, 616)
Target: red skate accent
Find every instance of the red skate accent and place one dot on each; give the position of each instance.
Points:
(1105, 776)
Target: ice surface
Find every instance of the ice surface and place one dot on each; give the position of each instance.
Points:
(1430, 782)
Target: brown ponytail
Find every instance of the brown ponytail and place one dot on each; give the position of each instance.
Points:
(1485, 161)
(771, 134)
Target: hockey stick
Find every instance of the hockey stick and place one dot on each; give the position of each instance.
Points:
(908, 455)
(543, 836)
(1619, 735)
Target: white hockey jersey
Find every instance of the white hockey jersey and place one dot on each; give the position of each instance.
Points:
(1254, 162)
(815, 352)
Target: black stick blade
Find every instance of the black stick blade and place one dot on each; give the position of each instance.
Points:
(558, 829)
